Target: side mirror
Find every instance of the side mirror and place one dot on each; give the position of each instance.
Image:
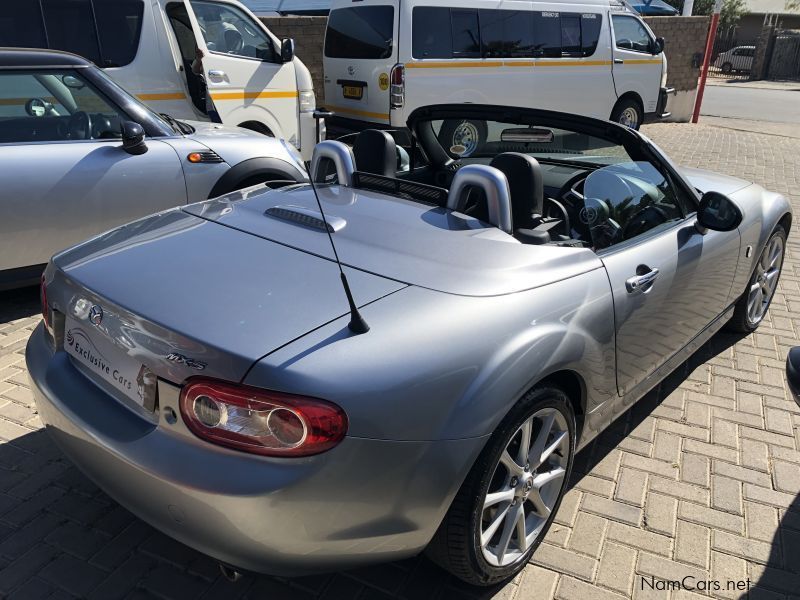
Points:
(36, 107)
(287, 50)
(658, 46)
(133, 138)
(718, 212)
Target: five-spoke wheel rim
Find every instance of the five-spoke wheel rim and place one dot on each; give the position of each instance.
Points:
(765, 280)
(525, 487)
(466, 135)
(629, 117)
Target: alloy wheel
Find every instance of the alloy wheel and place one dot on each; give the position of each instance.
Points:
(765, 280)
(466, 135)
(525, 487)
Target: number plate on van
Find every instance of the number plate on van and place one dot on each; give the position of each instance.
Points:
(353, 92)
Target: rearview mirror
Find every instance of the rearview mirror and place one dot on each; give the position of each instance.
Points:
(657, 46)
(72, 82)
(133, 138)
(532, 135)
(287, 50)
(718, 212)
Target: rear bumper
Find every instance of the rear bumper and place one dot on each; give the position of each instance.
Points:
(365, 501)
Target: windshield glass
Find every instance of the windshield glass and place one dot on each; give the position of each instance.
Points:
(360, 32)
(475, 141)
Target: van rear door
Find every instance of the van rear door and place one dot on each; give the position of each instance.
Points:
(360, 51)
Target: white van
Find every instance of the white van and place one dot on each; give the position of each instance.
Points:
(148, 47)
(384, 58)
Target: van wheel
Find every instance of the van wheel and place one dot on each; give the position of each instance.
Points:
(727, 68)
(510, 497)
(257, 127)
(471, 135)
(628, 112)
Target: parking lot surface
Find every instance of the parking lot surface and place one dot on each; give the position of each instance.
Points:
(699, 482)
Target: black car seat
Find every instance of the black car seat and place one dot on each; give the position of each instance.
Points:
(526, 187)
(375, 152)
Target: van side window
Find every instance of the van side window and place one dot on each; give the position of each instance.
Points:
(119, 25)
(228, 30)
(590, 32)
(571, 34)
(547, 33)
(106, 32)
(21, 25)
(630, 34)
(70, 27)
(427, 37)
(466, 34)
(507, 33)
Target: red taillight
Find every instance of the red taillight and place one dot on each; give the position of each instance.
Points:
(397, 92)
(45, 306)
(260, 421)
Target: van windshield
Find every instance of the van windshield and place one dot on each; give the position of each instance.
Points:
(364, 32)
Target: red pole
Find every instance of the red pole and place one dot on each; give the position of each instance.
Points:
(712, 34)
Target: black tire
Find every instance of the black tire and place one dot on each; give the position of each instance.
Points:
(456, 546)
(727, 68)
(624, 109)
(741, 321)
(448, 135)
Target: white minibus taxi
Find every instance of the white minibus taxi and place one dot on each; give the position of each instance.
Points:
(384, 58)
(150, 48)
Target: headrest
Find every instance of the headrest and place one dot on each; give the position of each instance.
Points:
(375, 152)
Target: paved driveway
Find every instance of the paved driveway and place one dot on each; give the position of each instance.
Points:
(699, 482)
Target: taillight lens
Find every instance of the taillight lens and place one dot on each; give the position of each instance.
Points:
(260, 421)
(397, 92)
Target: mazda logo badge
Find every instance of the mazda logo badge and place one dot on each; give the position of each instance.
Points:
(95, 315)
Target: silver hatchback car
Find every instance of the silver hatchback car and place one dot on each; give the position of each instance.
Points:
(215, 371)
(80, 155)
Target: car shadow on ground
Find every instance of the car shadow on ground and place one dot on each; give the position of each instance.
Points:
(43, 487)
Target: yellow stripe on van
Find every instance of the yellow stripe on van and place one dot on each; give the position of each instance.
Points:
(156, 97)
(359, 113)
(23, 101)
(252, 95)
(573, 63)
(642, 61)
(454, 64)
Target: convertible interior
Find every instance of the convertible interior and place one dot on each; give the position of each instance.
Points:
(564, 188)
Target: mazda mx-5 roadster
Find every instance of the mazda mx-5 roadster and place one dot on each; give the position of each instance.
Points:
(388, 360)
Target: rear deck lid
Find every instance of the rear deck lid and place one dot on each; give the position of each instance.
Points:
(174, 284)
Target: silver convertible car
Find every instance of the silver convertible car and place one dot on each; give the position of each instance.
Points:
(80, 155)
(206, 368)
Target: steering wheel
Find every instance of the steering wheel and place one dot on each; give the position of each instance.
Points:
(80, 126)
(643, 220)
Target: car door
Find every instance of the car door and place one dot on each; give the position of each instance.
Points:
(243, 68)
(669, 280)
(64, 175)
(635, 68)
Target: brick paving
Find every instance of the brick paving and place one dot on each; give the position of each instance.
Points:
(700, 479)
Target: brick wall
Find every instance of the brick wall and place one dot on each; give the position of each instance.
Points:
(684, 36)
(308, 34)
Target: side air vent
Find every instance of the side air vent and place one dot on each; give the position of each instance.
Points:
(304, 216)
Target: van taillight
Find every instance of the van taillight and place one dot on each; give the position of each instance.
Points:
(397, 91)
(260, 421)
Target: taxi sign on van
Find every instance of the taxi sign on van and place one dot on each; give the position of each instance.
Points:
(383, 81)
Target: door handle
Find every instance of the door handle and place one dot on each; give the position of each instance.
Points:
(641, 284)
(219, 75)
(618, 61)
